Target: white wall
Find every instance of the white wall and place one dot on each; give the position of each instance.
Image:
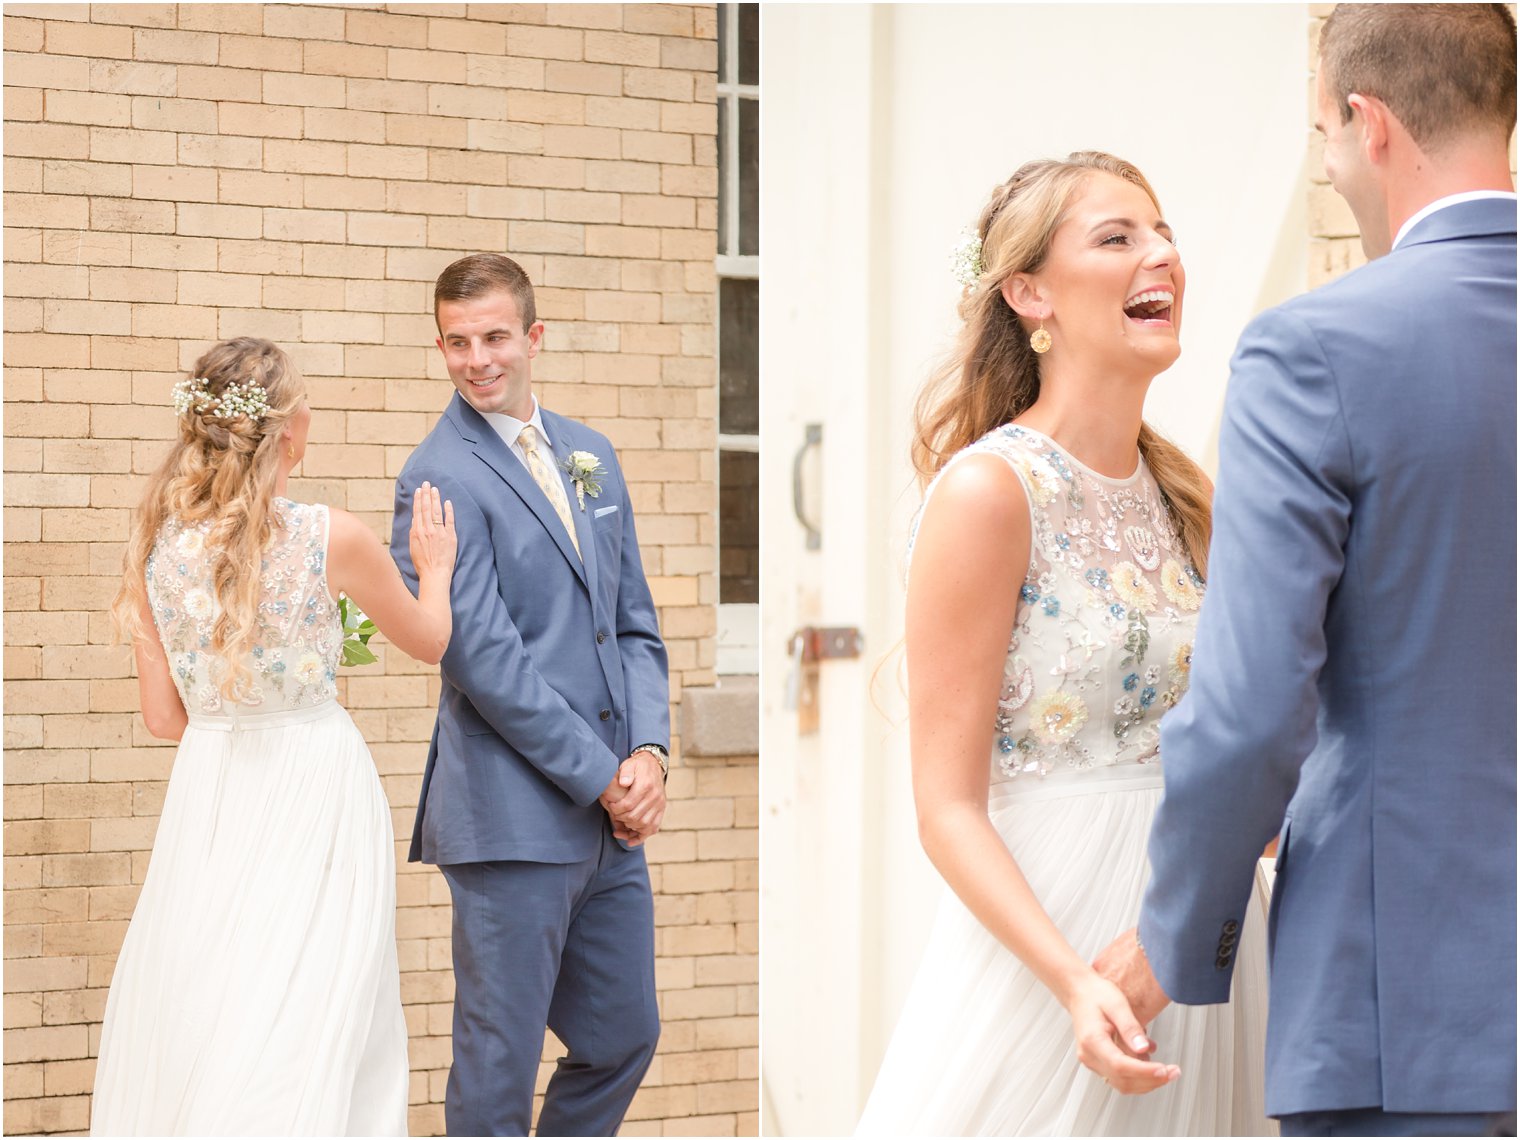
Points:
(1208, 100)
(884, 130)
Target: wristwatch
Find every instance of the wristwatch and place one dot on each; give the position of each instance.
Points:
(660, 754)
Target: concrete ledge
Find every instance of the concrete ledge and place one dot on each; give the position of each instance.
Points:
(723, 720)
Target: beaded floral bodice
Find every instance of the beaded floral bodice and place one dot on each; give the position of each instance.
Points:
(294, 660)
(1103, 636)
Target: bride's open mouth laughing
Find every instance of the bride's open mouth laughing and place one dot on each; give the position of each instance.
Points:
(1153, 308)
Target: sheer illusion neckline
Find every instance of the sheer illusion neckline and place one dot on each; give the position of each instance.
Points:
(1112, 481)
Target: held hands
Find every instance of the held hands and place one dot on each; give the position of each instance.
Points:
(1111, 1041)
(1124, 963)
(1108, 1012)
(433, 541)
(635, 799)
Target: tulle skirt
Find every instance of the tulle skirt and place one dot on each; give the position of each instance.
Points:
(257, 991)
(984, 1049)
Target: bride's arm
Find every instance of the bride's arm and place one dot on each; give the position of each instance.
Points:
(969, 558)
(163, 711)
(359, 565)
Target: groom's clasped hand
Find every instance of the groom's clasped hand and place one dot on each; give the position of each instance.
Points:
(635, 799)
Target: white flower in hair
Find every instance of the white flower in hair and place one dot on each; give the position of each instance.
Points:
(247, 399)
(966, 264)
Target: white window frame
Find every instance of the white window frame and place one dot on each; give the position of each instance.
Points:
(738, 638)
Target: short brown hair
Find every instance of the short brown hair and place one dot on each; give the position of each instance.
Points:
(482, 273)
(1443, 69)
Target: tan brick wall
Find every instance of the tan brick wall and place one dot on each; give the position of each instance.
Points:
(1335, 246)
(174, 175)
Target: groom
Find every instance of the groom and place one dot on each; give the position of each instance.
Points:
(546, 769)
(1354, 667)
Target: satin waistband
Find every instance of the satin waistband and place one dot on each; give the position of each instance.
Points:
(1028, 787)
(281, 718)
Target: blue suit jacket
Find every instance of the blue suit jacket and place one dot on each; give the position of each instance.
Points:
(1353, 684)
(556, 667)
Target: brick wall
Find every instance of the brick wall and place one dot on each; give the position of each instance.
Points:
(175, 175)
(1335, 246)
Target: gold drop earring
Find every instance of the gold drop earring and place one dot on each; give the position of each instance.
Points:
(1039, 340)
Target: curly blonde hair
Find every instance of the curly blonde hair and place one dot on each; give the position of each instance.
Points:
(993, 376)
(223, 470)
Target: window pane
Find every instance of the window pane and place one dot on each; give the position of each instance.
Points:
(749, 43)
(749, 176)
(723, 42)
(725, 163)
(738, 356)
(738, 526)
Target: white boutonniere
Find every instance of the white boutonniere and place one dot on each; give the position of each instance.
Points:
(585, 471)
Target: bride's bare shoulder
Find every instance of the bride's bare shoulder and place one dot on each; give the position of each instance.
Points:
(980, 489)
(975, 522)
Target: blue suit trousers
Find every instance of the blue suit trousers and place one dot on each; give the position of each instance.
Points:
(568, 945)
(1376, 1122)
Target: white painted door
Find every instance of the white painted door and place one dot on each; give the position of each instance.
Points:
(831, 798)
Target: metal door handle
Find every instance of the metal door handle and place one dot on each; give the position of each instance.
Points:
(812, 437)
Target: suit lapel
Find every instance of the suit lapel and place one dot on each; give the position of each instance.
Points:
(493, 451)
(560, 432)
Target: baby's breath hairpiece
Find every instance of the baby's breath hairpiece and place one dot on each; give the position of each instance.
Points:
(966, 260)
(235, 400)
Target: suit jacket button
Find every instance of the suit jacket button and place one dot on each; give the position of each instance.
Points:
(1232, 927)
(600, 637)
(1222, 962)
(605, 714)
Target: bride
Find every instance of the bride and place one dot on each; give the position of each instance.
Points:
(1057, 569)
(257, 990)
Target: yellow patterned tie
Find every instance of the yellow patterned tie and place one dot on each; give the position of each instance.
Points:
(548, 481)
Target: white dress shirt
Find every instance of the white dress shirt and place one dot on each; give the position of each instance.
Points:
(509, 428)
(1441, 204)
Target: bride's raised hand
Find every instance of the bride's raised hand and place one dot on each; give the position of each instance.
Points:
(433, 541)
(419, 622)
(1100, 1019)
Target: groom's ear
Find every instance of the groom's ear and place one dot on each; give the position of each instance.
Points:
(535, 338)
(1370, 115)
(1024, 297)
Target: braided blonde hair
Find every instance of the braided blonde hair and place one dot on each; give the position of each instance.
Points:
(224, 470)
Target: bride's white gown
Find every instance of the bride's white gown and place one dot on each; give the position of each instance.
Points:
(1101, 648)
(257, 991)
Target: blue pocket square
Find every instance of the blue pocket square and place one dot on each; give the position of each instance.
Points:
(600, 511)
